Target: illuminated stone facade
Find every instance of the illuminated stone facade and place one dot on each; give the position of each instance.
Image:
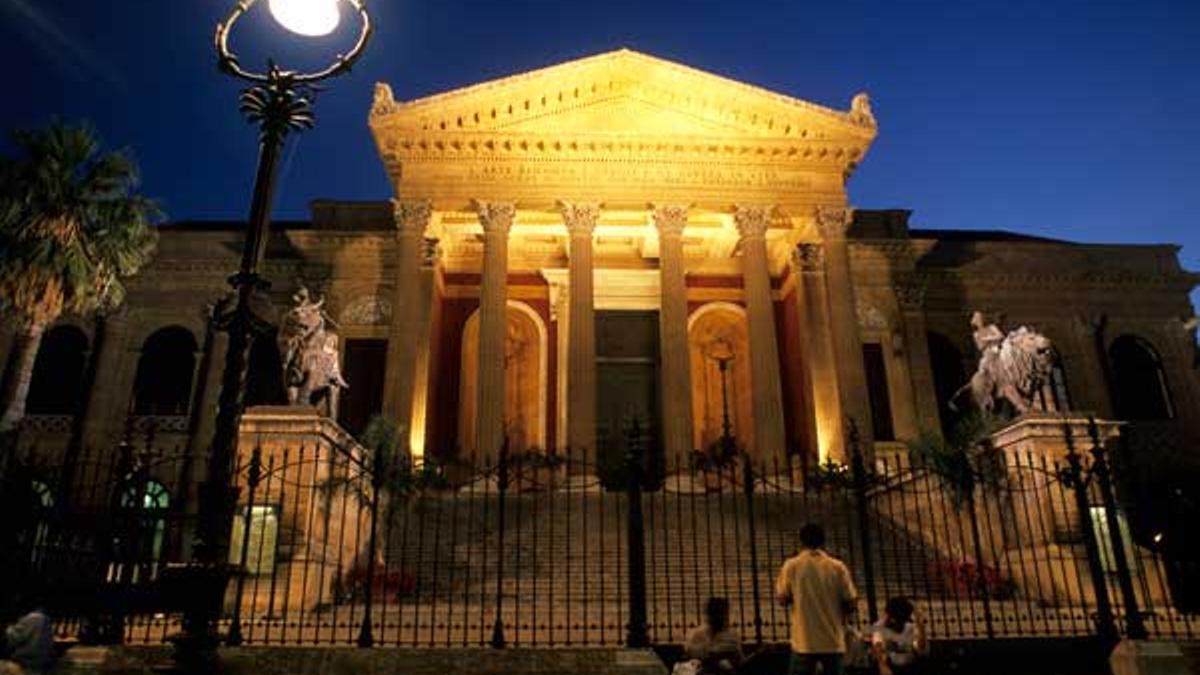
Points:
(536, 213)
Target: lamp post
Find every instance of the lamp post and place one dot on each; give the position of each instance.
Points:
(280, 102)
(722, 353)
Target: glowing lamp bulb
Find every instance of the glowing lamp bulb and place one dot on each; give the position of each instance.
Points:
(311, 18)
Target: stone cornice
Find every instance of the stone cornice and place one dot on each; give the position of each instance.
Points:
(829, 155)
(1088, 278)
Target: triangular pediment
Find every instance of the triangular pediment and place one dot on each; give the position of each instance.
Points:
(624, 93)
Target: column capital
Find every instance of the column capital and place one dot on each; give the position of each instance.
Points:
(431, 250)
(411, 215)
(670, 219)
(833, 221)
(910, 293)
(494, 217)
(809, 258)
(579, 217)
(752, 220)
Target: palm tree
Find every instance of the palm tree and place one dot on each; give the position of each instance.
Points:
(72, 226)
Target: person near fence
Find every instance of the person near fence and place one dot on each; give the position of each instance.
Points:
(820, 594)
(29, 644)
(898, 639)
(713, 646)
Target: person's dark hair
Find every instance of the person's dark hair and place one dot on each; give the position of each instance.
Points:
(716, 611)
(899, 610)
(812, 536)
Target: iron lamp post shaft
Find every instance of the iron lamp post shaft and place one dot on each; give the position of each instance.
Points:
(279, 102)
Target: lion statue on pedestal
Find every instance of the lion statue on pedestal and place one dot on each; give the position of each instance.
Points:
(1012, 367)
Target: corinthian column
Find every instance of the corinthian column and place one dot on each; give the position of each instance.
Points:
(580, 220)
(496, 219)
(411, 218)
(673, 333)
(813, 310)
(833, 221)
(764, 352)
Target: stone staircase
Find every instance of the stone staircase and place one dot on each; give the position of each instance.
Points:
(563, 564)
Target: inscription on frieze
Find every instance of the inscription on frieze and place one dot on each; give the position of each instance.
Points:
(624, 173)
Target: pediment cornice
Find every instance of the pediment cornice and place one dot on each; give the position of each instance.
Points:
(550, 97)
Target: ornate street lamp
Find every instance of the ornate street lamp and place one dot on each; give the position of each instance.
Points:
(280, 102)
(722, 353)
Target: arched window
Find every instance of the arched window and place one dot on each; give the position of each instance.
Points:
(139, 544)
(946, 360)
(57, 382)
(43, 505)
(164, 373)
(1139, 383)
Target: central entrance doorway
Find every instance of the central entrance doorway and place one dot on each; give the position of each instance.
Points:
(627, 384)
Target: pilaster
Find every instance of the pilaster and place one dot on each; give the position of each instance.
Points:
(910, 296)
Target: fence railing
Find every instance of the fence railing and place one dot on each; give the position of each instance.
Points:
(351, 546)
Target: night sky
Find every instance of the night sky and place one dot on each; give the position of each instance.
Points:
(1074, 119)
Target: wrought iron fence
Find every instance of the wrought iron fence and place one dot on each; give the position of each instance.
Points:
(351, 546)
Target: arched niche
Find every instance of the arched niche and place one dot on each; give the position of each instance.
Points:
(720, 330)
(525, 366)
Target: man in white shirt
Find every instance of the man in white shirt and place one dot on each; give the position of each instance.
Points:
(820, 594)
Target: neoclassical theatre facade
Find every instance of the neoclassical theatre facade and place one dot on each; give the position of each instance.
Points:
(617, 238)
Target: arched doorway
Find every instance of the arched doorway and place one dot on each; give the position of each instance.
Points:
(719, 332)
(57, 385)
(1139, 383)
(525, 364)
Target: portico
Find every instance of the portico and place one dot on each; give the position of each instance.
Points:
(578, 196)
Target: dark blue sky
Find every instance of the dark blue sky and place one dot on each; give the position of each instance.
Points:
(1072, 119)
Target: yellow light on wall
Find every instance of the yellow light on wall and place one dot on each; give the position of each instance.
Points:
(311, 18)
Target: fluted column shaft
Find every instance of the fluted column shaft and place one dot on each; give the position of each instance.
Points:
(833, 222)
(813, 306)
(411, 219)
(496, 219)
(764, 351)
(673, 333)
(580, 220)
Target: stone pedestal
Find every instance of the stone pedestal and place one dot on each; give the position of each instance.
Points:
(1033, 448)
(306, 461)
(1040, 516)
